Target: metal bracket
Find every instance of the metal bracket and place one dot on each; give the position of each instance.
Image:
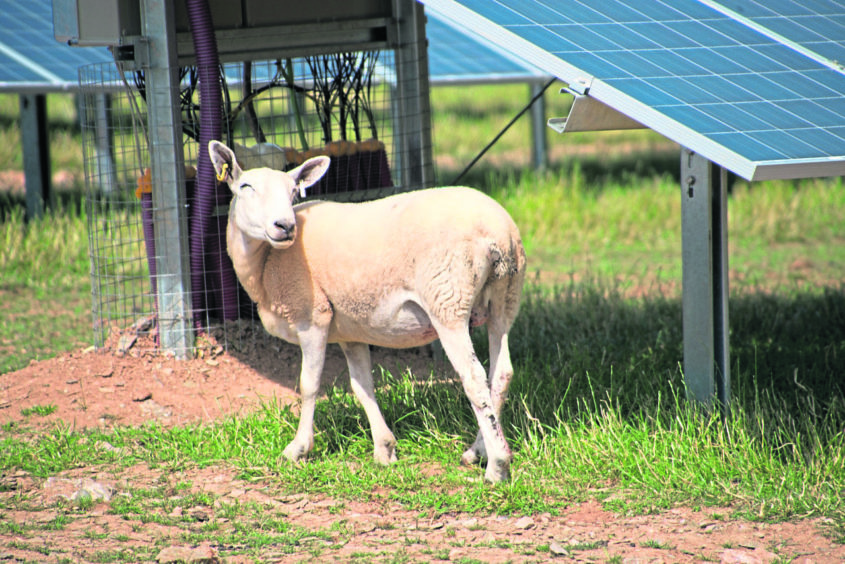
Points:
(134, 54)
(589, 114)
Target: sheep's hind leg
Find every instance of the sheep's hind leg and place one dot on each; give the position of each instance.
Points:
(458, 347)
(313, 345)
(499, 378)
(361, 379)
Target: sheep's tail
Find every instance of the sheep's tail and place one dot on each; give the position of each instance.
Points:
(504, 281)
(505, 264)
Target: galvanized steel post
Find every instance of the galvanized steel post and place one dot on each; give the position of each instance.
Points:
(168, 180)
(705, 280)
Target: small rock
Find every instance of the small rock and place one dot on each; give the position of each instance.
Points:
(364, 527)
(143, 324)
(103, 445)
(126, 342)
(8, 483)
(142, 395)
(199, 555)
(84, 489)
(524, 523)
(557, 549)
(735, 556)
(154, 410)
(200, 514)
(95, 491)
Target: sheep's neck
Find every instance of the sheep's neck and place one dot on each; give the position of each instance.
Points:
(248, 257)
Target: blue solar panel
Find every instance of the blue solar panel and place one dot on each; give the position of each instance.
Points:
(693, 71)
(817, 26)
(31, 58)
(454, 55)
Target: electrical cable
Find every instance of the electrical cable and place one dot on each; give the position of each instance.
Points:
(503, 131)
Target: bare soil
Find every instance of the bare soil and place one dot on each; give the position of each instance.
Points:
(105, 388)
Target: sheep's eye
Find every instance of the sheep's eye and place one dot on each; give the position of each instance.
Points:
(245, 186)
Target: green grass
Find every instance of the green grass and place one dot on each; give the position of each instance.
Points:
(597, 408)
(41, 410)
(45, 288)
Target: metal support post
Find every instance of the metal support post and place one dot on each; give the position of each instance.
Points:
(106, 176)
(414, 110)
(168, 180)
(36, 153)
(705, 280)
(539, 154)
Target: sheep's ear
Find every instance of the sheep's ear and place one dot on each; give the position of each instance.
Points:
(224, 161)
(309, 172)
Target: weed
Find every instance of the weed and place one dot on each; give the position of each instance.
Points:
(42, 410)
(658, 544)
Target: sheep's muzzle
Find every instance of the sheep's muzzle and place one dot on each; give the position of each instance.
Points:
(281, 234)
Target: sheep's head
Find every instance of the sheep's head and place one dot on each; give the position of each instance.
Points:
(262, 206)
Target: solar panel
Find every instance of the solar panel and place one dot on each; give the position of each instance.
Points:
(458, 56)
(32, 60)
(817, 29)
(692, 71)
(30, 57)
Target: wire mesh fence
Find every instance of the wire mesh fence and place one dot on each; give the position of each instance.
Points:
(274, 113)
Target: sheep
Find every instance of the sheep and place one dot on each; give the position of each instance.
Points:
(397, 272)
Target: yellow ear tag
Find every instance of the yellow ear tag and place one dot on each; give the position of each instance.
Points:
(221, 176)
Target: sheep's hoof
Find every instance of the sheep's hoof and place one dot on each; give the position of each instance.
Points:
(471, 457)
(386, 453)
(294, 452)
(385, 458)
(497, 471)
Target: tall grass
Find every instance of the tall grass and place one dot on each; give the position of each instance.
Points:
(45, 286)
(45, 252)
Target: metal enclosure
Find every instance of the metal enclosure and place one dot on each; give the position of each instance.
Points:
(246, 30)
(95, 22)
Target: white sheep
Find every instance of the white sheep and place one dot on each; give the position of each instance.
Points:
(397, 272)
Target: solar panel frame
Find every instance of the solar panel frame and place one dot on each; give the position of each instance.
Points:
(31, 60)
(721, 62)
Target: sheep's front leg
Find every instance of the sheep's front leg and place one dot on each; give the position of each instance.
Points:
(361, 379)
(312, 342)
(458, 347)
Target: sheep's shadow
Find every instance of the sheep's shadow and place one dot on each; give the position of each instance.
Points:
(280, 362)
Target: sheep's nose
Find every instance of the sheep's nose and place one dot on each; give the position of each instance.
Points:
(285, 227)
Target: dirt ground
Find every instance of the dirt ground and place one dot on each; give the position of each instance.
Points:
(106, 387)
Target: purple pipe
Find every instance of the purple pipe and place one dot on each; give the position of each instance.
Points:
(211, 102)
